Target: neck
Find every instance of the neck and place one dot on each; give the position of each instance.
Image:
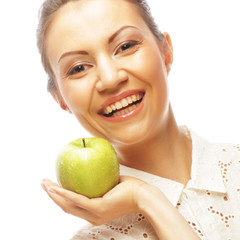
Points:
(167, 154)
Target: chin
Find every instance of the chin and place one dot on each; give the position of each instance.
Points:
(131, 135)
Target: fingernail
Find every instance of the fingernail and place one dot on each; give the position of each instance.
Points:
(43, 186)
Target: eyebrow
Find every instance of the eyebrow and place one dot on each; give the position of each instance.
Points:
(72, 53)
(109, 41)
(118, 31)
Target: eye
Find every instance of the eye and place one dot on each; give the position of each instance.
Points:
(78, 69)
(127, 46)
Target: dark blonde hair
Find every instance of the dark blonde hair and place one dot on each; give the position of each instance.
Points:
(46, 13)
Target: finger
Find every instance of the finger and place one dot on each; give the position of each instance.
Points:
(90, 205)
(61, 202)
(79, 200)
(66, 205)
(69, 196)
(47, 183)
(73, 209)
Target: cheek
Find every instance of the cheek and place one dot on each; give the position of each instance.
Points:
(151, 69)
(149, 66)
(158, 80)
(77, 95)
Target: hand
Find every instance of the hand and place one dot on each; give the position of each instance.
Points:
(129, 196)
(119, 201)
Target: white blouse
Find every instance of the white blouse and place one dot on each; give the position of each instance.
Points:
(210, 202)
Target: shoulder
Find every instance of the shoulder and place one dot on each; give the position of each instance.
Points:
(219, 156)
(210, 157)
(228, 154)
(222, 152)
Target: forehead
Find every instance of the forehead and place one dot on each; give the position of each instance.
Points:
(91, 19)
(97, 9)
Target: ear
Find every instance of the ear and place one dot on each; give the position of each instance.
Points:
(58, 98)
(167, 49)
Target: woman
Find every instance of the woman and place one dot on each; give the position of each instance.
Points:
(108, 65)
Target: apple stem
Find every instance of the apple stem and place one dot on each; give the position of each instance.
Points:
(84, 144)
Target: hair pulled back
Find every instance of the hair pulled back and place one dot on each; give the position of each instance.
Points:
(46, 13)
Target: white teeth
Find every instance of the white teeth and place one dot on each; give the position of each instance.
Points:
(109, 109)
(122, 104)
(113, 107)
(129, 100)
(118, 105)
(126, 110)
(134, 98)
(116, 114)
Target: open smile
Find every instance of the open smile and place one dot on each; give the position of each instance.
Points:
(122, 106)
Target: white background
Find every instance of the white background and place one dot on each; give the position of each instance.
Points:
(204, 84)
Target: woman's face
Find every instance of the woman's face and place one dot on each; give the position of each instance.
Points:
(109, 69)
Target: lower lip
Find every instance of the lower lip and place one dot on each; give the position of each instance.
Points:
(125, 116)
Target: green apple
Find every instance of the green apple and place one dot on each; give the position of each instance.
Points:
(88, 166)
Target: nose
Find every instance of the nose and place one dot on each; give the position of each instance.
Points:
(110, 74)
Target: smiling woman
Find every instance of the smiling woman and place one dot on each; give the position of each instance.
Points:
(115, 60)
(108, 65)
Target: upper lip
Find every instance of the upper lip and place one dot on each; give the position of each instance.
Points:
(114, 99)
